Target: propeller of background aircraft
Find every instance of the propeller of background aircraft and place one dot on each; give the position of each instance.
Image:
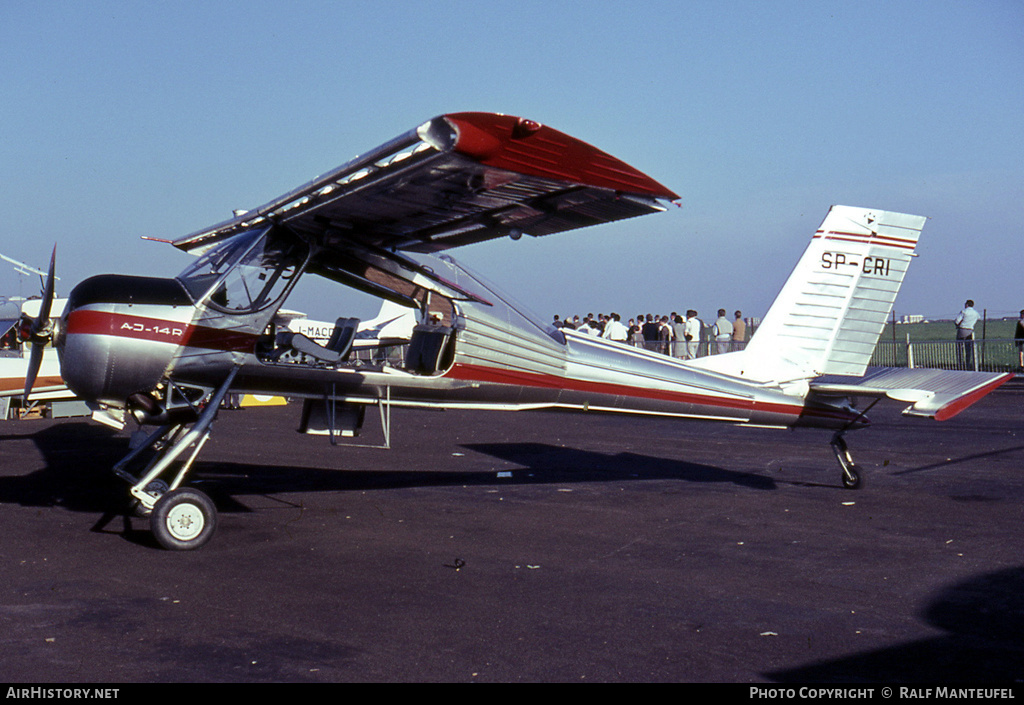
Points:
(41, 332)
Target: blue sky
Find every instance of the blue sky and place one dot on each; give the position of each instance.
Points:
(128, 119)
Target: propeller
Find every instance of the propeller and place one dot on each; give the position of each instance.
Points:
(41, 331)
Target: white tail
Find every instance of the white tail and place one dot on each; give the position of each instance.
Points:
(832, 309)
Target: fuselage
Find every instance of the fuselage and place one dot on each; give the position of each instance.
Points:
(128, 336)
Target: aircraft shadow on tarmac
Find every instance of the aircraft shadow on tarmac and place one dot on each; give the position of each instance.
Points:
(76, 474)
(79, 457)
(983, 618)
(549, 463)
(543, 464)
(974, 457)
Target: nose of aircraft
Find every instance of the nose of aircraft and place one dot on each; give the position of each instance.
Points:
(119, 334)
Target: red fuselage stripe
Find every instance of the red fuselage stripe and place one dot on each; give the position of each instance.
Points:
(119, 325)
(8, 384)
(480, 373)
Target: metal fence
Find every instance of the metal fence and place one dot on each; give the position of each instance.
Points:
(986, 355)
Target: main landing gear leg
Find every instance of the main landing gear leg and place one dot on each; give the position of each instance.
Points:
(851, 473)
(181, 518)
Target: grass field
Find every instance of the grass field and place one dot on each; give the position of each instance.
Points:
(946, 330)
(933, 345)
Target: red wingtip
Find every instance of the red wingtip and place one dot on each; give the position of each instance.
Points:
(525, 146)
(955, 407)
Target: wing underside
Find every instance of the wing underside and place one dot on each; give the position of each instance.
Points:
(455, 180)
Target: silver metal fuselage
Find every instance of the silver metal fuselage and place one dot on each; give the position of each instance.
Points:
(493, 356)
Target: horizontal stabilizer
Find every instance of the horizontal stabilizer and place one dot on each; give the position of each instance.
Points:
(937, 394)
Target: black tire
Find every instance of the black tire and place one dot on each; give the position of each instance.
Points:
(854, 482)
(183, 519)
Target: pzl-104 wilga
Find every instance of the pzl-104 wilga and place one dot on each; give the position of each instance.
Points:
(164, 353)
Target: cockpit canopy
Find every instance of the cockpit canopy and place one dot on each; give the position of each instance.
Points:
(253, 270)
(248, 272)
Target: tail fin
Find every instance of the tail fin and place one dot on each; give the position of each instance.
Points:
(392, 321)
(830, 313)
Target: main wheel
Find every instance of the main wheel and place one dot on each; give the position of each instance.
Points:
(183, 519)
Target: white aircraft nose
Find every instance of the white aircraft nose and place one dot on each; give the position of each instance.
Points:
(119, 335)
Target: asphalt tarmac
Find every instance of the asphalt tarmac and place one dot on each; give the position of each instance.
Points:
(526, 547)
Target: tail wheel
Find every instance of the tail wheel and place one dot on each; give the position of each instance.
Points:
(183, 519)
(851, 477)
(851, 472)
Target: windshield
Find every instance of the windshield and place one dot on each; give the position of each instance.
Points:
(247, 272)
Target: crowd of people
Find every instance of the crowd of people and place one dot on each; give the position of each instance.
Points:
(676, 334)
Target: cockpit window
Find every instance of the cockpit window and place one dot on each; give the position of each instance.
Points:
(248, 272)
(202, 274)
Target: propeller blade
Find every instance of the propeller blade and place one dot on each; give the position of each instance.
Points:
(43, 319)
(42, 330)
(34, 361)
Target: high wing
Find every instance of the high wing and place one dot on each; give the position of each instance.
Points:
(936, 394)
(457, 179)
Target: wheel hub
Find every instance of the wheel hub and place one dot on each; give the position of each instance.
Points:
(185, 521)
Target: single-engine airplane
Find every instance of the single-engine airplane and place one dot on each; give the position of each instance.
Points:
(163, 353)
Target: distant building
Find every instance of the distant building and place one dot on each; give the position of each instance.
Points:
(912, 318)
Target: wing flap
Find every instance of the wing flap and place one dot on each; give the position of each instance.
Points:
(455, 180)
(936, 394)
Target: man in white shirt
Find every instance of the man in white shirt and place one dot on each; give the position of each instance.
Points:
(693, 326)
(722, 331)
(965, 321)
(679, 337)
(614, 330)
